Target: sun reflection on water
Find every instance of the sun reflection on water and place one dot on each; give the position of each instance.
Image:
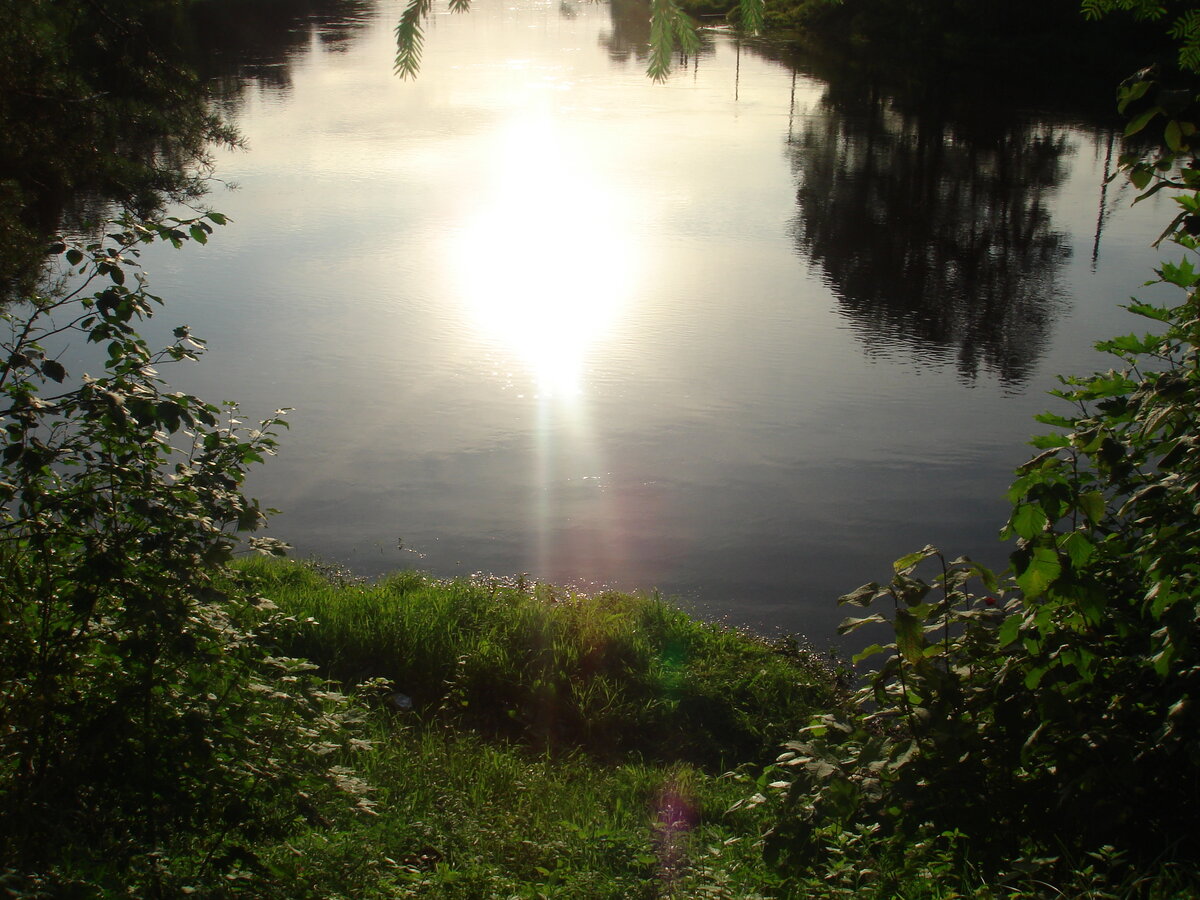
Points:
(543, 265)
(545, 268)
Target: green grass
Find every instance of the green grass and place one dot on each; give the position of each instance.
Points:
(614, 676)
(461, 817)
(556, 746)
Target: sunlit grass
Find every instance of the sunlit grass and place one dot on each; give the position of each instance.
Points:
(609, 675)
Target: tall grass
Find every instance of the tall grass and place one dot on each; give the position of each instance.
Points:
(527, 742)
(609, 675)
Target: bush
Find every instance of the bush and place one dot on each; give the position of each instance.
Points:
(148, 735)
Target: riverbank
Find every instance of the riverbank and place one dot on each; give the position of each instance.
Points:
(520, 741)
(610, 675)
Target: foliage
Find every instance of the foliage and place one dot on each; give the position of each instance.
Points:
(1165, 108)
(466, 809)
(1062, 719)
(1184, 29)
(143, 712)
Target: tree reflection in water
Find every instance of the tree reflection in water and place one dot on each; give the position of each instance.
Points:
(233, 42)
(122, 110)
(630, 35)
(933, 230)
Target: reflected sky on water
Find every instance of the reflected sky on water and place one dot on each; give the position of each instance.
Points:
(746, 336)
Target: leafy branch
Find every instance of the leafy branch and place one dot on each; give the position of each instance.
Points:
(410, 35)
(671, 30)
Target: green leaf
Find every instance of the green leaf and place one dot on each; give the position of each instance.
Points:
(1020, 487)
(1028, 520)
(1132, 92)
(852, 622)
(1162, 661)
(862, 596)
(1137, 123)
(54, 370)
(1043, 570)
(1173, 136)
(1010, 629)
(1178, 707)
(1149, 311)
(1182, 274)
(1047, 459)
(751, 15)
(169, 413)
(1032, 740)
(410, 38)
(1179, 451)
(1078, 548)
(1092, 504)
(1049, 441)
(142, 410)
(1054, 419)
(912, 560)
(908, 589)
(910, 638)
(1130, 343)
(1110, 384)
(867, 652)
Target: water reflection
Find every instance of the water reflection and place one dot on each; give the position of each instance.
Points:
(94, 110)
(235, 43)
(537, 314)
(629, 35)
(932, 228)
(543, 266)
(109, 110)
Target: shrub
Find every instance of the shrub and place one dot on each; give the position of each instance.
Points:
(148, 736)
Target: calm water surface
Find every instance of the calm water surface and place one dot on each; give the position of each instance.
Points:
(745, 336)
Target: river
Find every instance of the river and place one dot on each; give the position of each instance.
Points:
(743, 337)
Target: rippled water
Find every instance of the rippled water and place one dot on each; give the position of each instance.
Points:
(745, 336)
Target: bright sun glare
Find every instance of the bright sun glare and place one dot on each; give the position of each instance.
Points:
(542, 264)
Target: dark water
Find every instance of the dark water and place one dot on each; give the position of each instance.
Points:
(746, 336)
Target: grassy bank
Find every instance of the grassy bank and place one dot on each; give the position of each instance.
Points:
(611, 675)
(525, 742)
(460, 816)
(504, 740)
